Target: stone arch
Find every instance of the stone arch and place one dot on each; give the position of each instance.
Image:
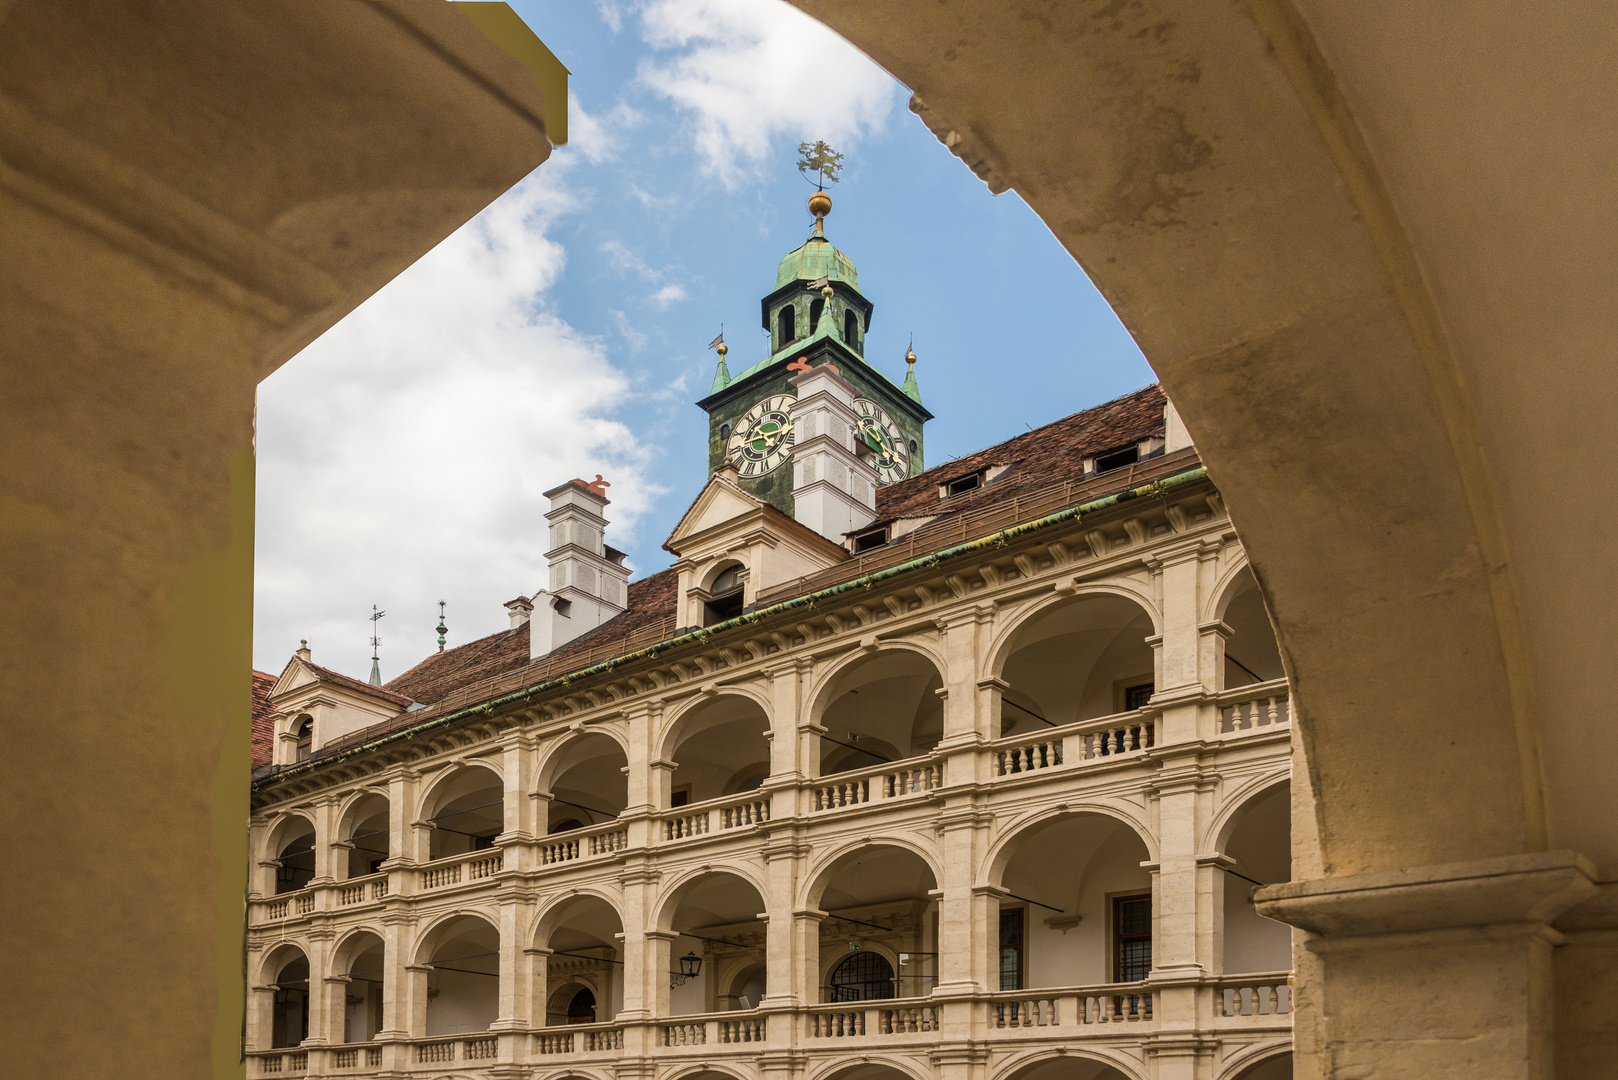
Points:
(277, 956)
(285, 974)
(363, 820)
(1255, 839)
(358, 1012)
(430, 936)
(668, 901)
(583, 932)
(282, 845)
(433, 792)
(1264, 1061)
(898, 707)
(280, 826)
(582, 777)
(465, 802)
(718, 745)
(1251, 652)
(830, 963)
(346, 941)
(1231, 807)
(555, 911)
(707, 1069)
(1228, 585)
(672, 730)
(1000, 848)
(1004, 642)
(820, 873)
(1091, 1063)
(1075, 657)
(868, 1067)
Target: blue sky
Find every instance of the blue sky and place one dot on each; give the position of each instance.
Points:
(403, 455)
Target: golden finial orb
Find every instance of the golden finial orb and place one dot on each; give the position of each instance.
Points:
(910, 357)
(820, 204)
(826, 290)
(723, 349)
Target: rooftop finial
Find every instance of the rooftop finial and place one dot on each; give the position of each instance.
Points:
(442, 629)
(376, 642)
(825, 165)
(721, 375)
(911, 388)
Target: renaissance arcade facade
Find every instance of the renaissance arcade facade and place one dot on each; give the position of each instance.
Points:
(897, 773)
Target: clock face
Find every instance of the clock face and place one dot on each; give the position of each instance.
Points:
(883, 436)
(762, 439)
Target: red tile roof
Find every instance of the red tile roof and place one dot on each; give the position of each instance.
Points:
(1053, 453)
(263, 737)
(650, 599)
(393, 697)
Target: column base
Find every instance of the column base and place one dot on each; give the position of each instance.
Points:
(1437, 972)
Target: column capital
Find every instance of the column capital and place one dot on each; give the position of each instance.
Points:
(1516, 889)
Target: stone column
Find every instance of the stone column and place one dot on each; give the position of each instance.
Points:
(964, 911)
(324, 811)
(398, 1004)
(517, 761)
(513, 1013)
(805, 968)
(1435, 971)
(320, 989)
(785, 985)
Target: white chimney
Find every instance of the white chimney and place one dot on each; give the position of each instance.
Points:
(589, 581)
(521, 609)
(833, 479)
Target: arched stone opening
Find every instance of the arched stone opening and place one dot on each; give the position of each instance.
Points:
(361, 1007)
(1075, 661)
(879, 900)
(295, 852)
(366, 831)
(1070, 1066)
(721, 747)
(585, 937)
(880, 709)
(589, 785)
(1278, 1067)
(287, 991)
(462, 980)
(715, 918)
(1259, 846)
(744, 985)
(1077, 908)
(1251, 652)
(868, 1070)
(467, 811)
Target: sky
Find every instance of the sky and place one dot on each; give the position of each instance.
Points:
(563, 332)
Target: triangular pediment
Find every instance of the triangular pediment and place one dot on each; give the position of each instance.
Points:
(296, 674)
(719, 501)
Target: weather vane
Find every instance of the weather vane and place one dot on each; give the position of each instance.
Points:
(376, 643)
(820, 160)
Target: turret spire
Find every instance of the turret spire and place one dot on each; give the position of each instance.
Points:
(911, 388)
(721, 374)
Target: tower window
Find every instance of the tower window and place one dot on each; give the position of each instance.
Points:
(1117, 459)
(851, 329)
(786, 325)
(306, 738)
(815, 309)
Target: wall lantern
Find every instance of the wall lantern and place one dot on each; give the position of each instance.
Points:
(690, 968)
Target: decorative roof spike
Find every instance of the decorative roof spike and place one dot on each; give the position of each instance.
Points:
(721, 374)
(442, 629)
(376, 642)
(911, 388)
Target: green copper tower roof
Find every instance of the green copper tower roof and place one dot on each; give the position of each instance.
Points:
(816, 259)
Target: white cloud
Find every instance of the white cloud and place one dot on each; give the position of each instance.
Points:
(748, 71)
(402, 456)
(598, 137)
(669, 294)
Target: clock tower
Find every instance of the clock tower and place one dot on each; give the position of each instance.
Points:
(815, 315)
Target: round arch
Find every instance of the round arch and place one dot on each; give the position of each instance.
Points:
(1228, 585)
(555, 911)
(432, 935)
(1006, 642)
(674, 725)
(1231, 808)
(438, 787)
(343, 949)
(354, 802)
(822, 690)
(708, 1069)
(1092, 1063)
(821, 872)
(869, 1067)
(278, 956)
(1002, 846)
(285, 824)
(551, 758)
(668, 901)
(1265, 1061)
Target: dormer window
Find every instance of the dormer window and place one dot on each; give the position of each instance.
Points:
(304, 729)
(961, 485)
(1117, 459)
(726, 596)
(867, 540)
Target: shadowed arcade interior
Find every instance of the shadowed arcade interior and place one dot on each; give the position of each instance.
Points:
(716, 919)
(722, 748)
(584, 975)
(462, 989)
(1076, 661)
(879, 938)
(883, 708)
(589, 785)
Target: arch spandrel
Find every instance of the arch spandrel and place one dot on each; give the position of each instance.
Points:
(1234, 802)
